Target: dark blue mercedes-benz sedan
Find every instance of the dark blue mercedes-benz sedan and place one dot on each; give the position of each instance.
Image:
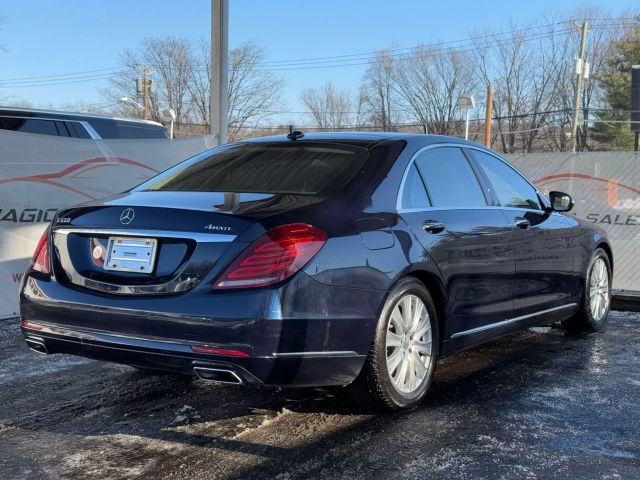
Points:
(349, 259)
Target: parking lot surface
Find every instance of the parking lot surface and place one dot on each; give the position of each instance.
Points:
(538, 404)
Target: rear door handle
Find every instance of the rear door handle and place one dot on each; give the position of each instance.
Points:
(522, 223)
(432, 226)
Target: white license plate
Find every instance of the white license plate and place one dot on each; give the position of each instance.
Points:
(127, 254)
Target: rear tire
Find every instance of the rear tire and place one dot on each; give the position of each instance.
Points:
(596, 298)
(399, 369)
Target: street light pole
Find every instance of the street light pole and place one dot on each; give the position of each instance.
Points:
(466, 102)
(466, 127)
(218, 95)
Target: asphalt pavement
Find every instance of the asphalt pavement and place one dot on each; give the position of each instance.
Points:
(537, 404)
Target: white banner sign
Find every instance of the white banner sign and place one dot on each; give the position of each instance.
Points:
(606, 189)
(40, 174)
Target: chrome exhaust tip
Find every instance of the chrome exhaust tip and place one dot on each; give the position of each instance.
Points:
(37, 345)
(217, 375)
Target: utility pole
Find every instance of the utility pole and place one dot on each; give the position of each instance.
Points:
(142, 88)
(145, 95)
(487, 117)
(579, 75)
(635, 105)
(218, 95)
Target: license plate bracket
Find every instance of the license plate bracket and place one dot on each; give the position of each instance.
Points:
(131, 254)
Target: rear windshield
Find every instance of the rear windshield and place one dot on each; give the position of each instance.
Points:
(298, 168)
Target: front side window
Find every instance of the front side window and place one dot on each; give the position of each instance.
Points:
(449, 179)
(510, 187)
(297, 168)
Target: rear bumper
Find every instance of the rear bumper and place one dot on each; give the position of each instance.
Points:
(296, 369)
(301, 334)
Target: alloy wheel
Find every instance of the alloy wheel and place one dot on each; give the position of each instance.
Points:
(599, 289)
(408, 344)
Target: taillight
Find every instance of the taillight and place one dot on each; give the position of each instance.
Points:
(273, 257)
(219, 351)
(40, 261)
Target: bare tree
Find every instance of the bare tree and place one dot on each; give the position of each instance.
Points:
(170, 62)
(532, 71)
(329, 107)
(253, 92)
(603, 29)
(377, 99)
(429, 81)
(182, 71)
(199, 87)
(523, 71)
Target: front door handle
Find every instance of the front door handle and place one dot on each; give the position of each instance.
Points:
(432, 226)
(522, 223)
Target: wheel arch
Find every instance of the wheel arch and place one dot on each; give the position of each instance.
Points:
(607, 248)
(436, 289)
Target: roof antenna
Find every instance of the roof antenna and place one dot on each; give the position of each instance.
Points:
(294, 133)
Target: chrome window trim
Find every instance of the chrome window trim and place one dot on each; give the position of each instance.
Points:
(412, 161)
(430, 209)
(536, 189)
(509, 321)
(90, 130)
(324, 353)
(198, 237)
(461, 146)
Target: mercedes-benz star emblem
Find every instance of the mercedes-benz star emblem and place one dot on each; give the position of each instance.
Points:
(127, 215)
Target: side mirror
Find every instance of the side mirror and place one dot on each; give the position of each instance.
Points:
(560, 202)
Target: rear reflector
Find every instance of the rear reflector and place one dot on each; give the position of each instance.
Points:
(273, 257)
(218, 351)
(31, 325)
(40, 261)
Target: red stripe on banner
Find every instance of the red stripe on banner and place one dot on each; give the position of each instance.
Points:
(564, 176)
(47, 178)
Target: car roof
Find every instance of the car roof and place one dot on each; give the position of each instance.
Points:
(365, 139)
(70, 115)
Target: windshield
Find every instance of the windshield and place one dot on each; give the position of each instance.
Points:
(298, 168)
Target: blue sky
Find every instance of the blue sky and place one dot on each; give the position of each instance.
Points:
(44, 37)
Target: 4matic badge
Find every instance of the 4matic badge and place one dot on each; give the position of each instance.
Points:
(217, 228)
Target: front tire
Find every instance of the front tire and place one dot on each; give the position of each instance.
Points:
(401, 363)
(596, 298)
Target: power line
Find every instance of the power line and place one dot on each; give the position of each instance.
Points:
(396, 57)
(494, 40)
(42, 83)
(346, 60)
(61, 74)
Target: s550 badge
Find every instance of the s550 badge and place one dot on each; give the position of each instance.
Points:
(217, 228)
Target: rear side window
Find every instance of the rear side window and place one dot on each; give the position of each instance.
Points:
(414, 194)
(510, 187)
(449, 179)
(299, 168)
(62, 129)
(79, 130)
(29, 125)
